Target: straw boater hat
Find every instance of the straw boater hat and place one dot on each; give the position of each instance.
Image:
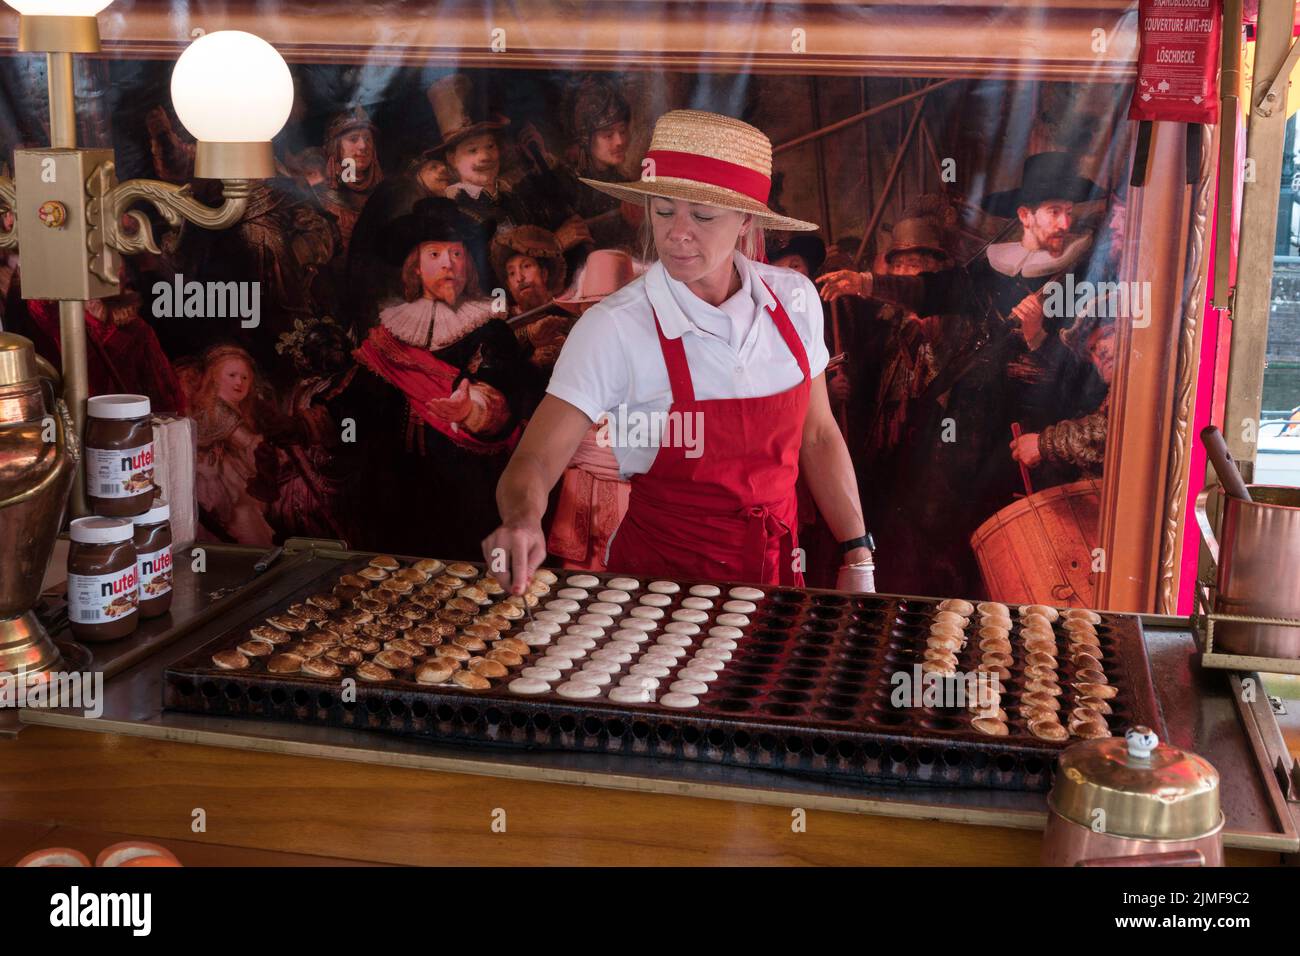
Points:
(534, 242)
(707, 158)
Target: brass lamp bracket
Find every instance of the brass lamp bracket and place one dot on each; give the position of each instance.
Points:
(110, 210)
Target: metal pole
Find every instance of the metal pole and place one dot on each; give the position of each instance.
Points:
(72, 314)
(858, 117)
(1264, 143)
(889, 184)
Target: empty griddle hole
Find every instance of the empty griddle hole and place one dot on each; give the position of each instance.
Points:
(1033, 766)
(615, 729)
(445, 713)
(889, 717)
(735, 689)
(794, 684)
(666, 732)
(781, 710)
(469, 716)
(374, 705)
(301, 697)
(278, 696)
(185, 688)
(833, 713)
(803, 673)
(871, 604)
(794, 744)
(821, 746)
(942, 723)
(323, 701)
(518, 719)
(640, 729)
(805, 651)
(767, 741)
(783, 610)
(787, 597)
(733, 706)
(690, 735)
(493, 717)
(925, 756)
(716, 737)
(816, 640)
(872, 750)
(899, 754)
(1006, 763)
(952, 758)
(397, 708)
(830, 600)
(823, 616)
(840, 700)
(541, 722)
(419, 710)
(773, 623)
(567, 724)
(233, 692)
(255, 695)
(741, 740)
(764, 636)
(591, 726)
(791, 696)
(846, 750)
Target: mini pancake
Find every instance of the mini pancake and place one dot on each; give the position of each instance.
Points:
(230, 660)
(471, 681)
(285, 663)
(369, 670)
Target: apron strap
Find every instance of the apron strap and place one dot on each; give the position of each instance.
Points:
(786, 328)
(679, 372)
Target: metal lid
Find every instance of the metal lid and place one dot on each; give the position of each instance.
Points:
(1137, 787)
(17, 359)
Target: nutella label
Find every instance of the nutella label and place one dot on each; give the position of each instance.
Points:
(120, 473)
(155, 569)
(97, 598)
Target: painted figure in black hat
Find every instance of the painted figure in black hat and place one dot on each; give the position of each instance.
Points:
(457, 368)
(352, 169)
(472, 146)
(1013, 368)
(370, 284)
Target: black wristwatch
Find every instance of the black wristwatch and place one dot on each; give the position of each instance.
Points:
(866, 541)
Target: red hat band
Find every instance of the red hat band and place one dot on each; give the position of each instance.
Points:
(712, 172)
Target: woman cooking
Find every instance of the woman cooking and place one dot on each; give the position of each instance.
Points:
(727, 350)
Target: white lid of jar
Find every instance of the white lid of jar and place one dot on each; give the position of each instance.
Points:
(117, 406)
(161, 511)
(97, 530)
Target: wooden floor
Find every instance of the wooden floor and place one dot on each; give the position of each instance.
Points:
(86, 790)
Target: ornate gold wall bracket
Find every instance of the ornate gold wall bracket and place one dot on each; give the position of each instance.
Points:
(110, 213)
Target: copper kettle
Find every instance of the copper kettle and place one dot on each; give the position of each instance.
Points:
(1133, 802)
(39, 454)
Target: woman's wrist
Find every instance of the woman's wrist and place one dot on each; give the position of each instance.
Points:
(857, 556)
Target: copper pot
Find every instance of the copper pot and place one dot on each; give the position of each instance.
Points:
(1133, 802)
(1258, 541)
(38, 461)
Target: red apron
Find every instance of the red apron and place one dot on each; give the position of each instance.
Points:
(731, 513)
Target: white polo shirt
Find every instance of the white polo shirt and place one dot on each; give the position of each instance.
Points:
(612, 362)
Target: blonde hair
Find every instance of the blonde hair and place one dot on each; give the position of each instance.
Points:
(751, 245)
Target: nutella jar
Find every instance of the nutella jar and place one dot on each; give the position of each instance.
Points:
(153, 559)
(119, 455)
(103, 583)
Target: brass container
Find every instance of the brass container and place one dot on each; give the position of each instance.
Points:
(39, 454)
(1133, 802)
(1257, 553)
